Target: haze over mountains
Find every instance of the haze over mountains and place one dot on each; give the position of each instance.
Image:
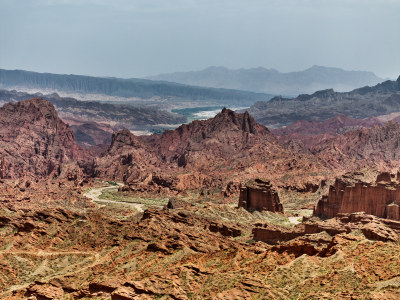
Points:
(134, 91)
(118, 115)
(271, 81)
(381, 99)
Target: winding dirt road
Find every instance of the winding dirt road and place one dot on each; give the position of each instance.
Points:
(95, 193)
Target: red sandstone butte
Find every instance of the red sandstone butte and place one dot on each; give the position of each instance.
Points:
(260, 196)
(349, 195)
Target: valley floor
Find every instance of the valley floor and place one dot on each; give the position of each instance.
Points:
(112, 250)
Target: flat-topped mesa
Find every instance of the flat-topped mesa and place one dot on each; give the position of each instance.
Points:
(260, 196)
(381, 199)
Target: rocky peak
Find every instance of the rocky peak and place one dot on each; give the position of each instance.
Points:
(228, 118)
(226, 134)
(122, 139)
(32, 110)
(34, 141)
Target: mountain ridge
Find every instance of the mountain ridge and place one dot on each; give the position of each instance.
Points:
(125, 88)
(381, 99)
(272, 81)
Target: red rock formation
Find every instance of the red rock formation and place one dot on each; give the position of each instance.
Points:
(393, 211)
(372, 227)
(274, 234)
(260, 196)
(349, 195)
(34, 141)
(204, 154)
(376, 146)
(227, 134)
(127, 159)
(225, 230)
(311, 133)
(89, 134)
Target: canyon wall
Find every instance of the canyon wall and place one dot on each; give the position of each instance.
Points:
(260, 196)
(380, 199)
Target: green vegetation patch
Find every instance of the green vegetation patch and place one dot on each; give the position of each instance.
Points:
(115, 195)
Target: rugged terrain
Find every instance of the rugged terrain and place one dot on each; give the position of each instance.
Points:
(227, 149)
(125, 116)
(157, 217)
(381, 99)
(311, 133)
(34, 141)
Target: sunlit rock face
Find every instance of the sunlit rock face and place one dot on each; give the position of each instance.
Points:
(260, 196)
(381, 198)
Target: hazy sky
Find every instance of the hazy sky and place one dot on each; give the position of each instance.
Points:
(132, 38)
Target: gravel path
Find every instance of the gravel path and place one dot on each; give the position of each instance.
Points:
(294, 220)
(95, 193)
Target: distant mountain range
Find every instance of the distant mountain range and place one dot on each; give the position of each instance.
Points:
(381, 99)
(122, 116)
(128, 88)
(271, 81)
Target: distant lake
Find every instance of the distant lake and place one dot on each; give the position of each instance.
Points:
(201, 113)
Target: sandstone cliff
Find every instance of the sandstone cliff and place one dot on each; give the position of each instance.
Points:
(260, 196)
(349, 195)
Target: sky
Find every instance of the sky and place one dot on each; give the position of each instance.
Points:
(137, 38)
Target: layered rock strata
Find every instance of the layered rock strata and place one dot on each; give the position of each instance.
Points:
(260, 196)
(380, 199)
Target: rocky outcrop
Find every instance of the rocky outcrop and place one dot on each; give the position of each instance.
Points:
(260, 196)
(275, 234)
(227, 134)
(225, 230)
(127, 159)
(349, 195)
(34, 141)
(372, 227)
(174, 203)
(89, 134)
